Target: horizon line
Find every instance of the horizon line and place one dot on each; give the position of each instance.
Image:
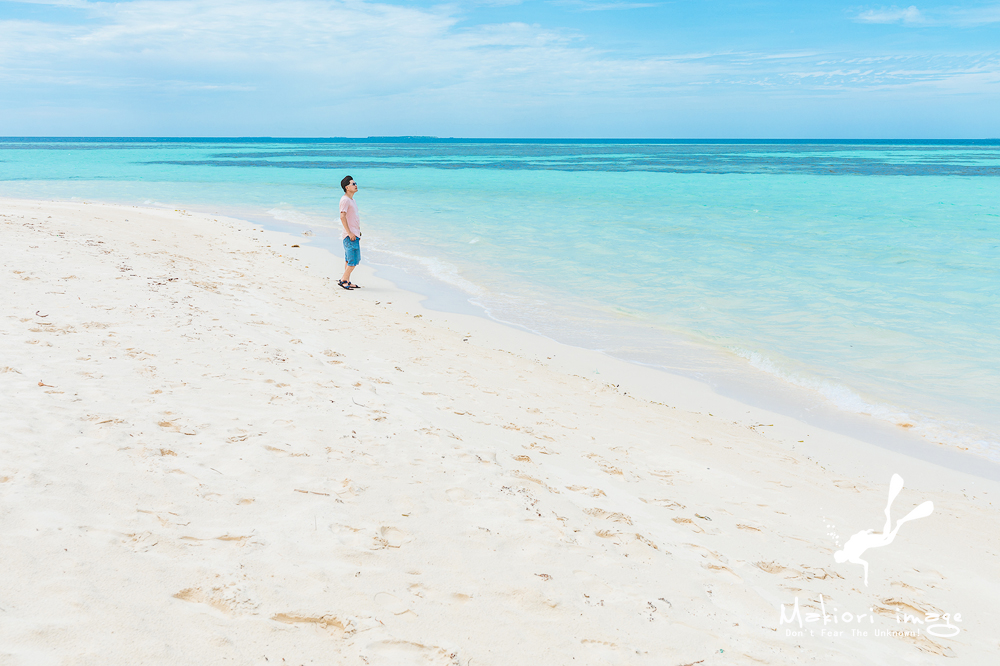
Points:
(434, 139)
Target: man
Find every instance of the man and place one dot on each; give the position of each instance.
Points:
(351, 233)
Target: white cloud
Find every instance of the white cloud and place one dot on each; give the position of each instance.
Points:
(592, 6)
(945, 16)
(972, 17)
(79, 4)
(909, 16)
(295, 64)
(332, 50)
(353, 47)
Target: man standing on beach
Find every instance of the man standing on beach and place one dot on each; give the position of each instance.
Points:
(351, 233)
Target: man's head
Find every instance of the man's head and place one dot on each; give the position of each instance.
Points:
(348, 182)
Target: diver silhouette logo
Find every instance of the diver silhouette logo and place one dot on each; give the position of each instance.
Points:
(862, 541)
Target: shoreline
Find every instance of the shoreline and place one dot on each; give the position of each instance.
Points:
(763, 378)
(782, 400)
(277, 468)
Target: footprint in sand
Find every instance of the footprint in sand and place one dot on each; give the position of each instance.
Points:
(405, 653)
(324, 621)
(593, 492)
(689, 523)
(664, 502)
(460, 495)
(602, 650)
(607, 515)
(391, 537)
(391, 603)
(228, 597)
(350, 537)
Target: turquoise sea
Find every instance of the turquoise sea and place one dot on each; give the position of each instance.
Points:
(842, 282)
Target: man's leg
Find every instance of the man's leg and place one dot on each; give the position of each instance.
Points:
(349, 256)
(352, 257)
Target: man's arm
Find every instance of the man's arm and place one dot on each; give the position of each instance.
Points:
(343, 221)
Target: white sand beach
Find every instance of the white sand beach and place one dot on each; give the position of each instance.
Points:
(212, 454)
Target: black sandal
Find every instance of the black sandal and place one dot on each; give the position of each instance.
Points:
(344, 285)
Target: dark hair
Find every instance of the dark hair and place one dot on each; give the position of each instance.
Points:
(344, 183)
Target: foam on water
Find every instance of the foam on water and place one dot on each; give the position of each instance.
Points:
(286, 212)
(439, 270)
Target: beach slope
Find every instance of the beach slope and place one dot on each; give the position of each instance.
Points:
(212, 454)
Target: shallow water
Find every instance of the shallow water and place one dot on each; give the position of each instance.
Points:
(859, 276)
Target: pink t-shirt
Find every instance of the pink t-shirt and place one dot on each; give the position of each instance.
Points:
(347, 205)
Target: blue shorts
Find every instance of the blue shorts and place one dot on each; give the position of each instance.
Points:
(352, 251)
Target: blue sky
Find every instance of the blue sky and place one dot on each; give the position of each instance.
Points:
(500, 68)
